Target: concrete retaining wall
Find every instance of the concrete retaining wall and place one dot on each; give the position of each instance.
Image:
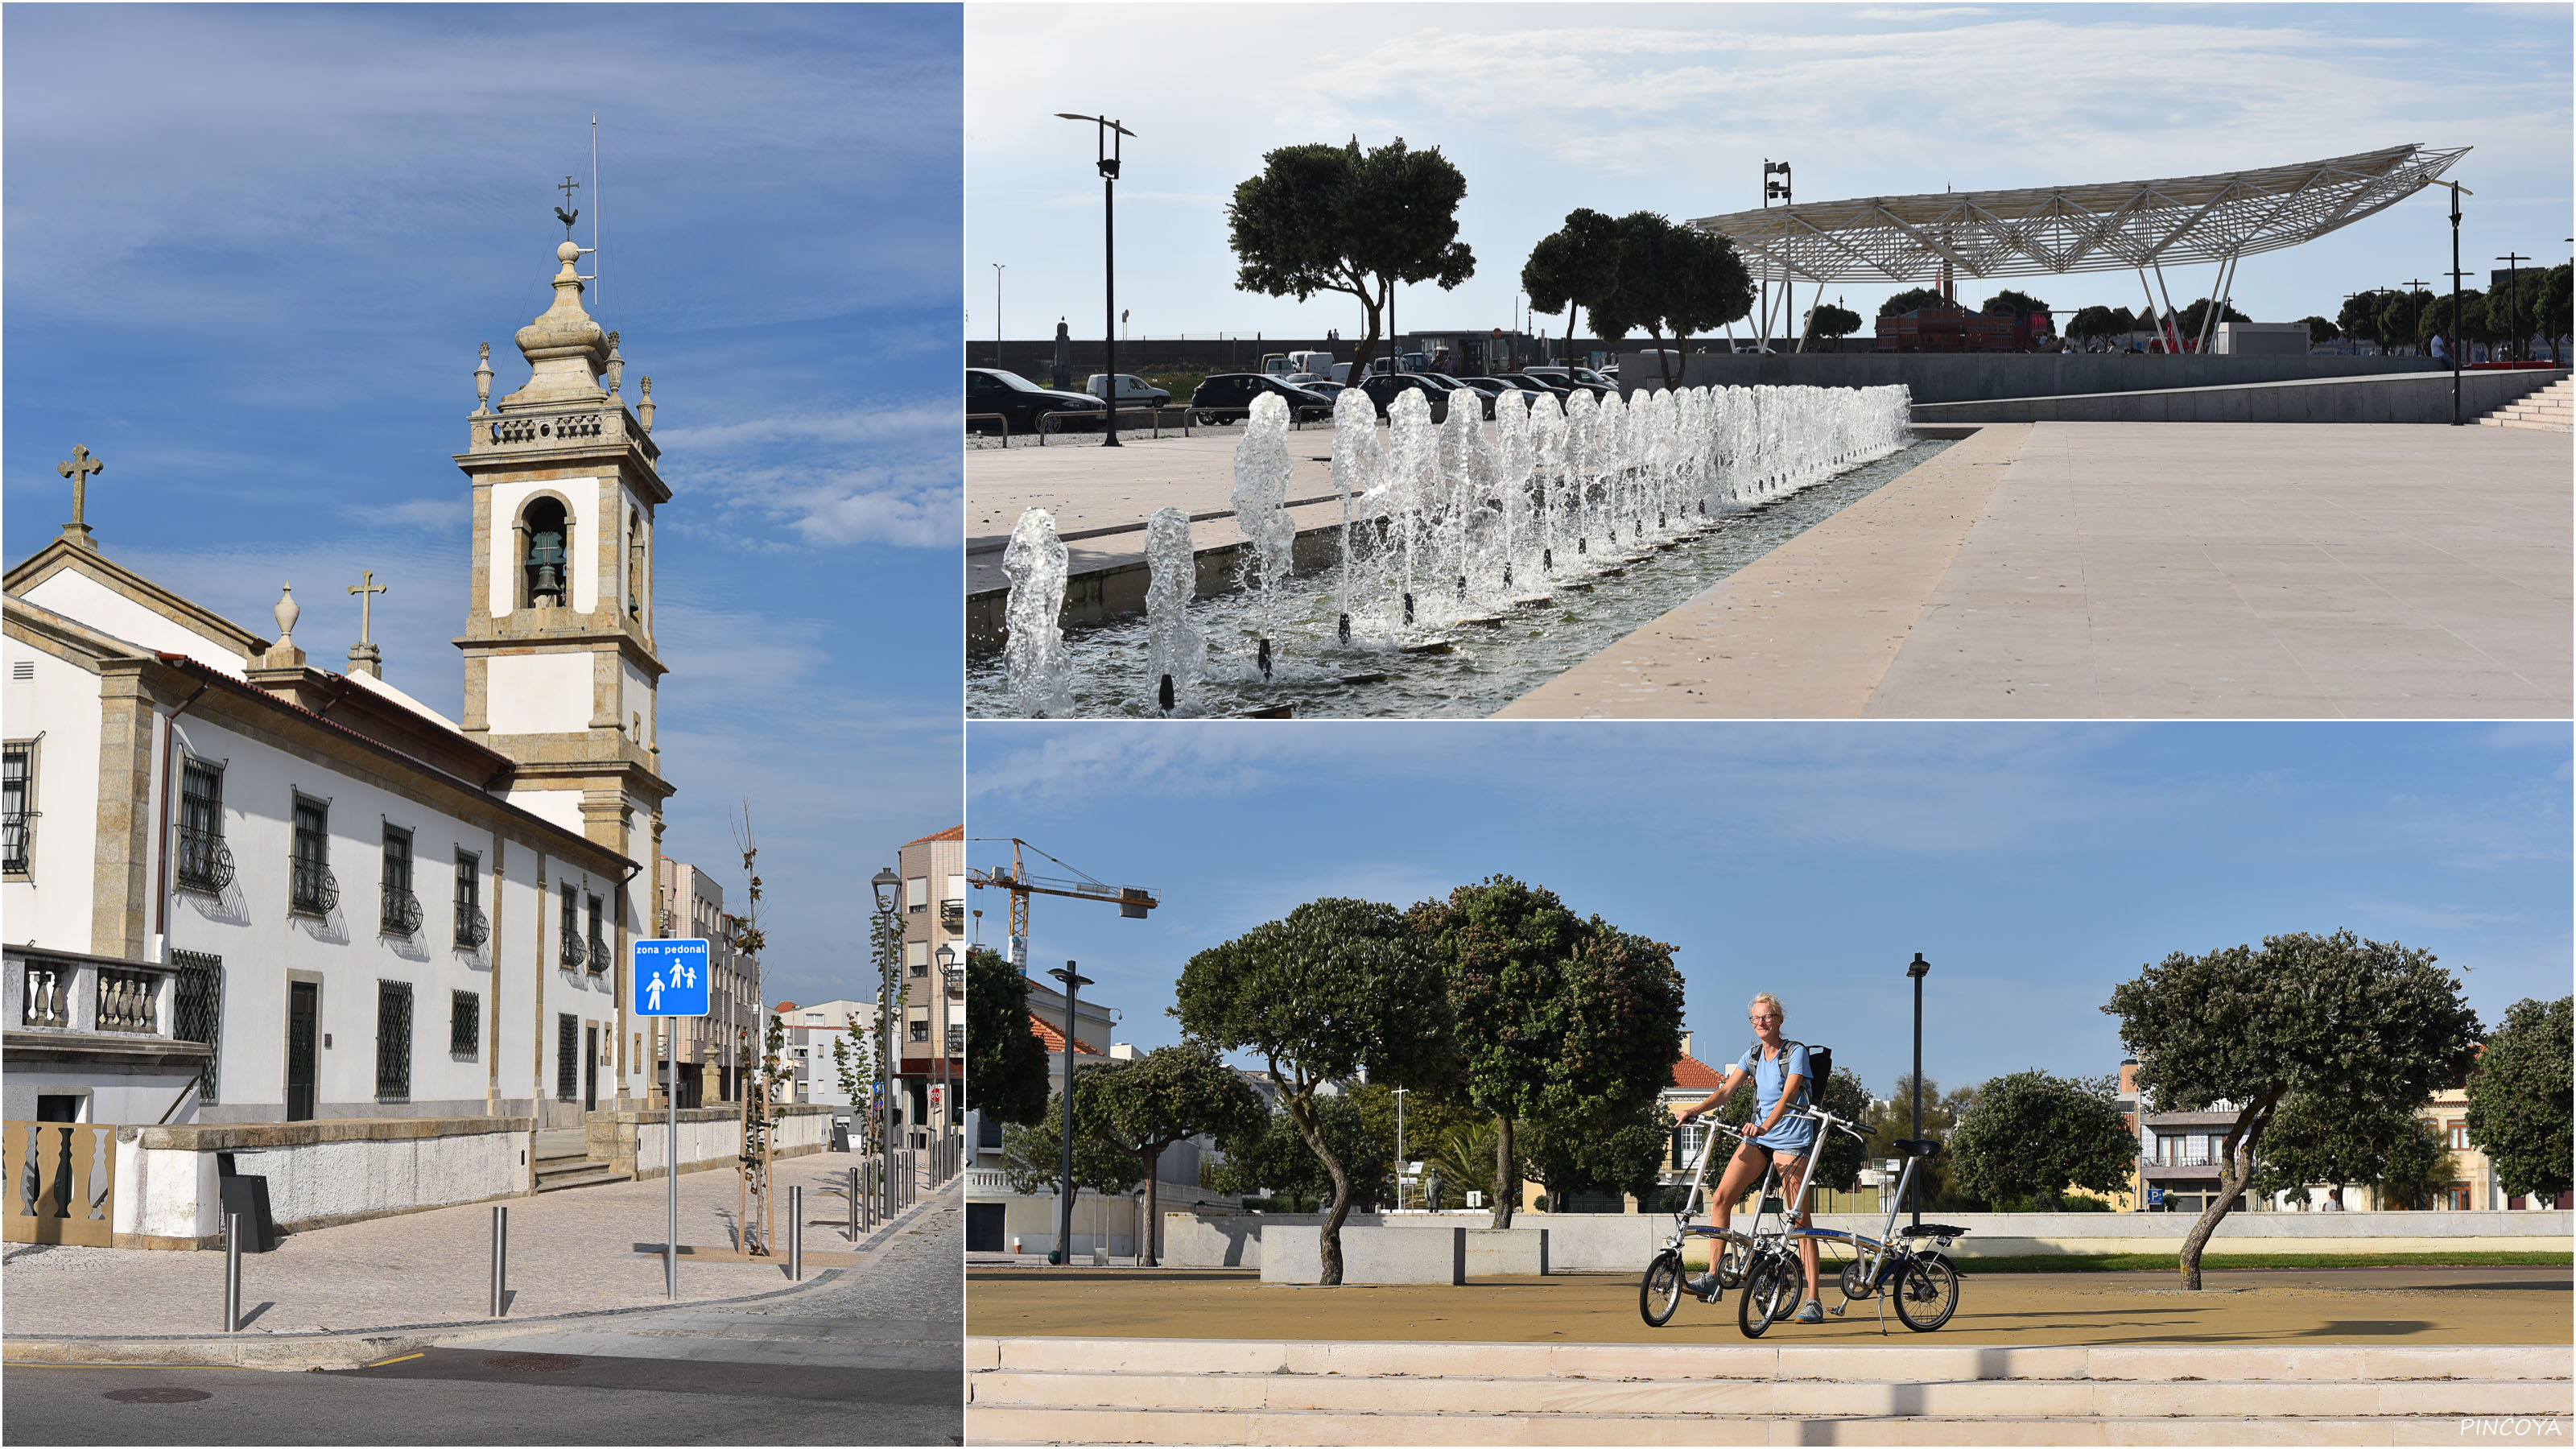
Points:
(638, 1142)
(1621, 1243)
(2423, 398)
(1369, 1254)
(1941, 378)
(319, 1173)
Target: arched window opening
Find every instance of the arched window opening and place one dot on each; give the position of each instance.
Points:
(544, 571)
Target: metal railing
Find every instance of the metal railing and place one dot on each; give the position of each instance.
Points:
(952, 914)
(973, 418)
(570, 952)
(314, 890)
(1049, 423)
(473, 928)
(205, 862)
(129, 1001)
(598, 955)
(400, 915)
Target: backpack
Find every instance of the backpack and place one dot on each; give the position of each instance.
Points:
(1820, 1067)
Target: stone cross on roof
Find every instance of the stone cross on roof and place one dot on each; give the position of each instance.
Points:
(364, 656)
(77, 468)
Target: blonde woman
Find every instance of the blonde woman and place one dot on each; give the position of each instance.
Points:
(1778, 1137)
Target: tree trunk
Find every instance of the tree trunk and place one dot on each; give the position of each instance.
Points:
(1374, 307)
(1328, 1241)
(1663, 356)
(2232, 1178)
(1506, 1182)
(1146, 1257)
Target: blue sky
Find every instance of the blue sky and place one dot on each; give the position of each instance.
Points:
(1673, 108)
(2035, 866)
(249, 253)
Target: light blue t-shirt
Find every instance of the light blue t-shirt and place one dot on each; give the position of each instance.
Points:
(1792, 1133)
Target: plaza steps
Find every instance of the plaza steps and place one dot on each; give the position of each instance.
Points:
(2550, 410)
(562, 1161)
(1207, 1391)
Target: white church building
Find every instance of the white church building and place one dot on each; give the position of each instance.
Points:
(258, 908)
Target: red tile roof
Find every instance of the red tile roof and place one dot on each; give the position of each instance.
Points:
(1695, 1075)
(1054, 1039)
(953, 832)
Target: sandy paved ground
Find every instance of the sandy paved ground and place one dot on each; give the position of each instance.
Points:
(2352, 1305)
(570, 1252)
(2105, 570)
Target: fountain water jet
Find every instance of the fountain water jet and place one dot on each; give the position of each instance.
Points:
(1039, 664)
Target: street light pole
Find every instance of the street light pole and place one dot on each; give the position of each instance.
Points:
(2457, 191)
(1073, 981)
(1111, 135)
(997, 313)
(2512, 278)
(1918, 968)
(886, 883)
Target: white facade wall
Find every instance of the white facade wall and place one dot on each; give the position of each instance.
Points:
(536, 694)
(60, 704)
(76, 595)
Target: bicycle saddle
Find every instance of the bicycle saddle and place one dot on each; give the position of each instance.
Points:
(1930, 1230)
(1917, 1146)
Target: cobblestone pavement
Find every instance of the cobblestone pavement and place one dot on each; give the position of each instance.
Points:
(570, 1252)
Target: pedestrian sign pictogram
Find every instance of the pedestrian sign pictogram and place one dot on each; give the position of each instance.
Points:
(670, 978)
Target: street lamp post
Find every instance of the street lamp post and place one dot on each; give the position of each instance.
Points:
(997, 313)
(1073, 981)
(886, 883)
(2512, 278)
(2457, 191)
(1918, 968)
(1111, 133)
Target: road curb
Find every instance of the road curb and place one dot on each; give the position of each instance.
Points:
(353, 1348)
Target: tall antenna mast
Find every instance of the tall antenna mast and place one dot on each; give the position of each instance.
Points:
(599, 278)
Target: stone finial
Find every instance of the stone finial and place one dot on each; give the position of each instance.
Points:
(565, 349)
(616, 364)
(283, 654)
(644, 409)
(483, 383)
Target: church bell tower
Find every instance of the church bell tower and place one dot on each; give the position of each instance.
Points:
(560, 668)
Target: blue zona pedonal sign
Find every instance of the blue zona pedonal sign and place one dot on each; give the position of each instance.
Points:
(670, 978)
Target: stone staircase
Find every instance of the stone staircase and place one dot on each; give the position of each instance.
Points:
(1206, 1391)
(563, 1161)
(2550, 410)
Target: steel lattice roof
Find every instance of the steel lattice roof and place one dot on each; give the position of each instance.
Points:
(2047, 231)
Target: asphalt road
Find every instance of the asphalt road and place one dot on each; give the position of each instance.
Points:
(873, 1357)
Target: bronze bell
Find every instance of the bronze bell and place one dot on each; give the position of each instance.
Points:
(545, 568)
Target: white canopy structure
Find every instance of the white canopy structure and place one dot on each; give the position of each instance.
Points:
(2053, 230)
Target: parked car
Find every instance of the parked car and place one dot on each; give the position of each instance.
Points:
(1133, 391)
(1022, 402)
(1383, 388)
(1584, 377)
(1227, 397)
(1527, 383)
(1494, 387)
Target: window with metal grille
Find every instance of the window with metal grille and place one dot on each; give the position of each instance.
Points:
(567, 1056)
(464, 1023)
(393, 1041)
(313, 889)
(401, 908)
(921, 1031)
(598, 943)
(569, 950)
(473, 928)
(197, 1011)
(205, 861)
(17, 796)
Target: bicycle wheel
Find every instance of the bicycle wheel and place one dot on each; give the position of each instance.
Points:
(1661, 1291)
(1927, 1293)
(1770, 1294)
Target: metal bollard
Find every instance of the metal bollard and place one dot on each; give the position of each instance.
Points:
(796, 1234)
(232, 1272)
(854, 1204)
(500, 1259)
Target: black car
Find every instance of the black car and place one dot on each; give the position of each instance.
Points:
(1494, 387)
(1022, 402)
(1555, 388)
(1227, 396)
(1584, 378)
(1383, 388)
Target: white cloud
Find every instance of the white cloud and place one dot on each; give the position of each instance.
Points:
(861, 475)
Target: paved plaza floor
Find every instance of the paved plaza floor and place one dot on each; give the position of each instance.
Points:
(570, 1252)
(2302, 1306)
(2090, 570)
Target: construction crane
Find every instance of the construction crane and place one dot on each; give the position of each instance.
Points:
(1131, 901)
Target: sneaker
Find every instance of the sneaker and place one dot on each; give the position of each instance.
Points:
(1704, 1287)
(1814, 1312)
